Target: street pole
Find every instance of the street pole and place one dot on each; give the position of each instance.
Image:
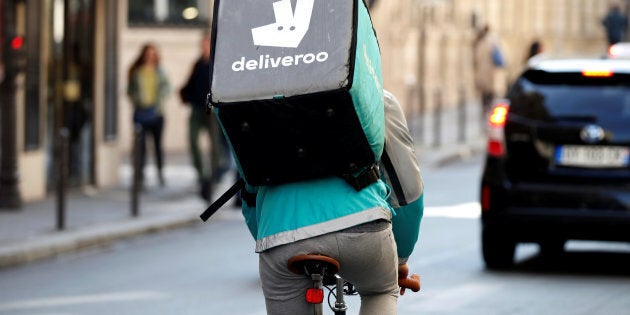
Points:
(9, 179)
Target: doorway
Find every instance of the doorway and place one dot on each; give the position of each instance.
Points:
(71, 81)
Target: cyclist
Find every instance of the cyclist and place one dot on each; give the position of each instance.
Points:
(371, 232)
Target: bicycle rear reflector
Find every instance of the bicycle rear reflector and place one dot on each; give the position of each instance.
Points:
(314, 296)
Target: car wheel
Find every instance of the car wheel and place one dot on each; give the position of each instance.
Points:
(498, 249)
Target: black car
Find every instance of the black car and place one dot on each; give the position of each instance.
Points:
(558, 159)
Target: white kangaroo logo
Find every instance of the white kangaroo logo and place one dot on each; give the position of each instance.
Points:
(289, 29)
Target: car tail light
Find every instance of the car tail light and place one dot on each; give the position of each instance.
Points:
(314, 296)
(597, 73)
(619, 50)
(496, 124)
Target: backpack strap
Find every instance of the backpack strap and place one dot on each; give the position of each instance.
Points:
(393, 179)
(239, 185)
(366, 178)
(248, 198)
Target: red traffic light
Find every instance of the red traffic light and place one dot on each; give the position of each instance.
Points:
(17, 43)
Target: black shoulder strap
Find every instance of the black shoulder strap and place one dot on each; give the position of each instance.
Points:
(393, 178)
(240, 184)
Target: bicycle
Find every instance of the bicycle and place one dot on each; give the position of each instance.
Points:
(323, 271)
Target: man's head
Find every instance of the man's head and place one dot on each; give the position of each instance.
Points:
(615, 5)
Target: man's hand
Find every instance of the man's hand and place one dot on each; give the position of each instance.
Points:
(403, 272)
(412, 283)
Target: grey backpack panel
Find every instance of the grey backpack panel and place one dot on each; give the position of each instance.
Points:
(269, 49)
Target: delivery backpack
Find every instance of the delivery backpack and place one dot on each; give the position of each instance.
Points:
(296, 87)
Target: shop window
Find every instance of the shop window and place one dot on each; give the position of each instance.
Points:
(168, 12)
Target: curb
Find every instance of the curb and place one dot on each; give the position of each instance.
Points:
(97, 235)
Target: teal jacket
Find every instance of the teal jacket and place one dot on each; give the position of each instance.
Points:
(291, 212)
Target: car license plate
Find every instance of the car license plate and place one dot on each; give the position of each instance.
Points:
(592, 156)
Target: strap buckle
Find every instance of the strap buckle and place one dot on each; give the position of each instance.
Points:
(366, 178)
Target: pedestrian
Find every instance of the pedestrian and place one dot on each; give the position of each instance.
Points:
(615, 23)
(535, 49)
(370, 232)
(194, 93)
(488, 58)
(148, 87)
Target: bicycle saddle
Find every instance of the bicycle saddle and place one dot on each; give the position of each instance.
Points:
(308, 264)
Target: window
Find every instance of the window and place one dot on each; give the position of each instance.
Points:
(168, 12)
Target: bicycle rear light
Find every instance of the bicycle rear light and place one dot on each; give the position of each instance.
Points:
(314, 296)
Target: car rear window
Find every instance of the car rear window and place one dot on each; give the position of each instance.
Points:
(573, 95)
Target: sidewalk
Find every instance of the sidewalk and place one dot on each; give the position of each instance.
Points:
(100, 217)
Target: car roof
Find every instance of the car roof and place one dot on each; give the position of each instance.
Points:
(579, 64)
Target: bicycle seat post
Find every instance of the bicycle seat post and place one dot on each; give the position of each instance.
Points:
(340, 304)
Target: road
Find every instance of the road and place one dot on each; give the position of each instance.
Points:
(211, 269)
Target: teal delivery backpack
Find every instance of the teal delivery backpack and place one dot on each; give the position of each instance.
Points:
(296, 86)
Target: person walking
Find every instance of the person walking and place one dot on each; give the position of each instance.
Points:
(148, 87)
(194, 93)
(615, 23)
(371, 232)
(487, 59)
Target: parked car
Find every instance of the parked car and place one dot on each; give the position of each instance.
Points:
(558, 159)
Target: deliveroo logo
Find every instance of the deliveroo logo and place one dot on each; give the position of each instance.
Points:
(288, 31)
(289, 28)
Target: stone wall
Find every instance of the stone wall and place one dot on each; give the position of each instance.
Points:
(427, 44)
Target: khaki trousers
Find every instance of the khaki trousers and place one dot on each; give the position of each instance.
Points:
(368, 258)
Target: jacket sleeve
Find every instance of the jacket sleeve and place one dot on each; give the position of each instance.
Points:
(185, 93)
(164, 88)
(133, 91)
(401, 172)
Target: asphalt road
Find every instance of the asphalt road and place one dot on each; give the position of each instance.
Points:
(211, 269)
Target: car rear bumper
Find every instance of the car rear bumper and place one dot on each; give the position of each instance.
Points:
(535, 212)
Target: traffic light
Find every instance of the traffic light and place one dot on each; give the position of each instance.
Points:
(17, 43)
(18, 53)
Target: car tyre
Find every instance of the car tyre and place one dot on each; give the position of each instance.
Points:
(498, 249)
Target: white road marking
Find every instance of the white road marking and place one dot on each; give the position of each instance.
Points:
(82, 299)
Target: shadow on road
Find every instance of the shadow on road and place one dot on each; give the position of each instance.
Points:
(590, 262)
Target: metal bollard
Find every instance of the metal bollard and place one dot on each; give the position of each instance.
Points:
(137, 171)
(62, 176)
(437, 119)
(462, 116)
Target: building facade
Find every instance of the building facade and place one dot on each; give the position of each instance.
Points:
(427, 45)
(78, 53)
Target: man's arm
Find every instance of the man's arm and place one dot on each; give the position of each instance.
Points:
(401, 171)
